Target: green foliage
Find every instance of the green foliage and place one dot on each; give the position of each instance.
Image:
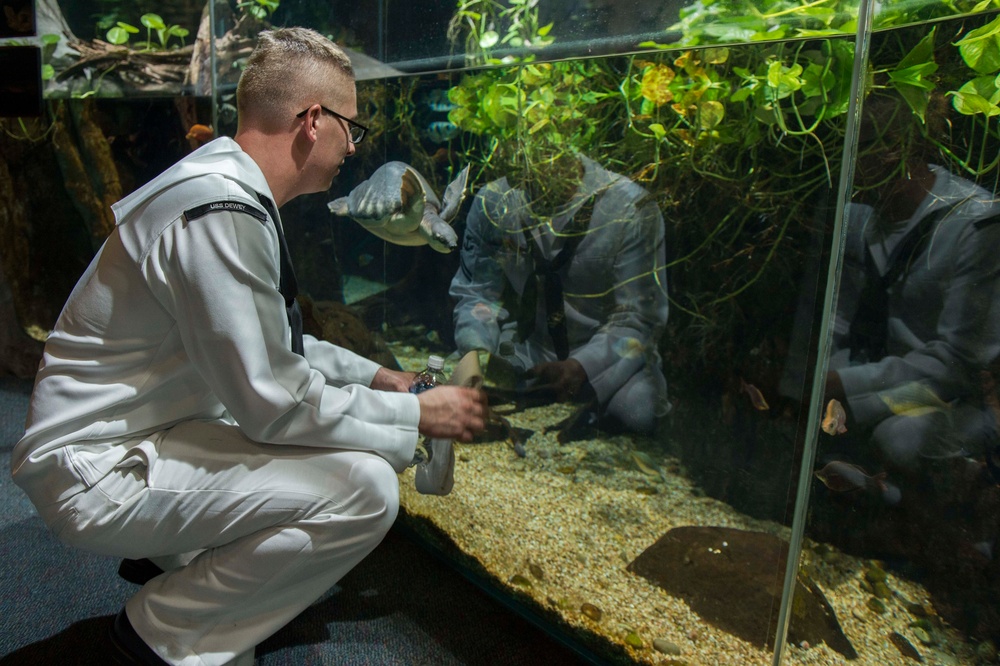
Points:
(119, 34)
(492, 26)
(739, 145)
(733, 21)
(259, 9)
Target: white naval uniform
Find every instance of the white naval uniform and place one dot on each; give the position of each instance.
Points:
(169, 415)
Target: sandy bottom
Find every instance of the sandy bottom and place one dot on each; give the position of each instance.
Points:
(561, 524)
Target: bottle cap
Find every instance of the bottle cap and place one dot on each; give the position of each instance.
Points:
(435, 362)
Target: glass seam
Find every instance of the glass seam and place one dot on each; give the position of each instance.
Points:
(861, 53)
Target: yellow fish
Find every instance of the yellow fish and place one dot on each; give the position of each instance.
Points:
(199, 134)
(834, 423)
(756, 397)
(646, 464)
(913, 399)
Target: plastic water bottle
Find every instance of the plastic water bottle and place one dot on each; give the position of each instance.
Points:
(430, 376)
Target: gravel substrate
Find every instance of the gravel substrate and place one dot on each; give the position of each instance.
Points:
(561, 524)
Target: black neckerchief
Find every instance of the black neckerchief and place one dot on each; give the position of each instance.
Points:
(287, 284)
(547, 277)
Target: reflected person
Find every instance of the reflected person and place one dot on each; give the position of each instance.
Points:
(918, 317)
(562, 282)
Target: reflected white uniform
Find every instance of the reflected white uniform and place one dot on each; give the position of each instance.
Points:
(943, 322)
(614, 287)
(169, 415)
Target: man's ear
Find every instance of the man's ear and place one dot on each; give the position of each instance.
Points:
(310, 122)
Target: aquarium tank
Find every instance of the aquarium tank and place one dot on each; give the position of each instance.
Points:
(728, 271)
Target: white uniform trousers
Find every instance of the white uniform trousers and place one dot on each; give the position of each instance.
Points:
(278, 526)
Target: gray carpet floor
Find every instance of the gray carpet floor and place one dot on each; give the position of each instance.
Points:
(401, 606)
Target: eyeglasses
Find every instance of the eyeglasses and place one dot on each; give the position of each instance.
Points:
(356, 131)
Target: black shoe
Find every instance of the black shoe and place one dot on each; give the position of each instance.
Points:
(139, 572)
(127, 649)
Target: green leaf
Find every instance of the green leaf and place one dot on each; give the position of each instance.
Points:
(658, 130)
(710, 114)
(984, 86)
(971, 104)
(920, 54)
(152, 21)
(741, 94)
(981, 48)
(916, 98)
(914, 76)
(544, 30)
(489, 39)
(50, 39)
(48, 71)
(131, 29)
(117, 35)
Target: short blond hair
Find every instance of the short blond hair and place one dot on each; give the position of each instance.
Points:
(289, 67)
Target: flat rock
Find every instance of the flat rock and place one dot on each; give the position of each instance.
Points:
(733, 579)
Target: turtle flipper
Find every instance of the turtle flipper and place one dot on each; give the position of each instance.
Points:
(437, 233)
(454, 194)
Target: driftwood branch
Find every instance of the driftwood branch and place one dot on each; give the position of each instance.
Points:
(135, 68)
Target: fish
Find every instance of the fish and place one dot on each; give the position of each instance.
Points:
(582, 424)
(200, 134)
(834, 423)
(843, 477)
(441, 131)
(756, 397)
(437, 101)
(398, 205)
(913, 399)
(629, 347)
(646, 464)
(499, 429)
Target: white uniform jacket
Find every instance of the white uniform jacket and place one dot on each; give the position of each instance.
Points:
(615, 291)
(181, 319)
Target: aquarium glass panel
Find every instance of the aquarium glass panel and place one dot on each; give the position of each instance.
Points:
(903, 520)
(643, 505)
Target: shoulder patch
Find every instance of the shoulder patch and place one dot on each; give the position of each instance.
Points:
(231, 206)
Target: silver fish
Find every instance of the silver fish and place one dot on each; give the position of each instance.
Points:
(845, 477)
(397, 204)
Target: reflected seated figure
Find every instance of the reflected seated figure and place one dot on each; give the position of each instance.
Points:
(918, 317)
(562, 282)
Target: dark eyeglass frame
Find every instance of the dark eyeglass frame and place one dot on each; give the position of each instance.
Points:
(353, 127)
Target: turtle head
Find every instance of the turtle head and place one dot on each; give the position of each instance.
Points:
(438, 233)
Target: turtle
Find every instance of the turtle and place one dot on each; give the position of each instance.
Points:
(397, 204)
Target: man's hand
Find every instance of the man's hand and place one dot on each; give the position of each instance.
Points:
(565, 378)
(392, 380)
(452, 412)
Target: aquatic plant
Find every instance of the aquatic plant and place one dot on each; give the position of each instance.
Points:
(741, 147)
(705, 22)
(259, 9)
(491, 26)
(119, 34)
